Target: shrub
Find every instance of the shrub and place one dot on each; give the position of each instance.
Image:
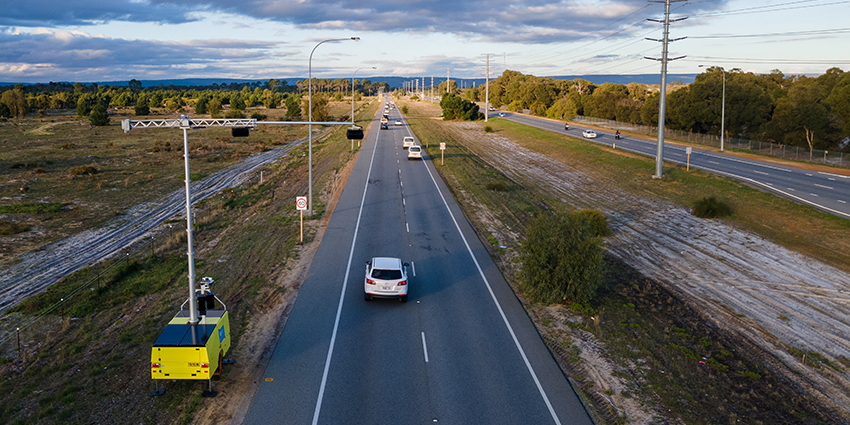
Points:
(83, 170)
(404, 109)
(488, 129)
(597, 219)
(497, 187)
(258, 116)
(99, 116)
(711, 207)
(234, 113)
(561, 259)
(456, 108)
(142, 109)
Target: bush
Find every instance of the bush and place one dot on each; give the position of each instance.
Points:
(488, 129)
(561, 259)
(711, 207)
(99, 116)
(142, 109)
(456, 108)
(598, 220)
(497, 187)
(258, 116)
(234, 113)
(404, 109)
(83, 170)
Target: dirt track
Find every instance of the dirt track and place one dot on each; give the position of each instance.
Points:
(36, 270)
(769, 295)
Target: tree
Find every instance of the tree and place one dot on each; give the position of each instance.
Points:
(456, 108)
(16, 101)
(135, 85)
(201, 105)
(214, 108)
(562, 258)
(320, 107)
(5, 112)
(99, 115)
(802, 117)
(839, 101)
(293, 109)
(142, 109)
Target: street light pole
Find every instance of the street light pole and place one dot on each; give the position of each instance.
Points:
(352, 91)
(310, 120)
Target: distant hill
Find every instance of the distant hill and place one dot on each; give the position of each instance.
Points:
(398, 82)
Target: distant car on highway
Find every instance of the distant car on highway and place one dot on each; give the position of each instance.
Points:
(414, 152)
(588, 134)
(397, 122)
(408, 142)
(384, 126)
(501, 114)
(566, 126)
(386, 277)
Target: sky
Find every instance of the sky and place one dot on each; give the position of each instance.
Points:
(118, 40)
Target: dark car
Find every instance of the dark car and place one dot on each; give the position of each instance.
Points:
(384, 126)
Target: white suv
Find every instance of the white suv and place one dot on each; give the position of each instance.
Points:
(408, 142)
(386, 277)
(414, 152)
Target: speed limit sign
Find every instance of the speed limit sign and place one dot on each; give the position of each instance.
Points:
(301, 203)
(442, 146)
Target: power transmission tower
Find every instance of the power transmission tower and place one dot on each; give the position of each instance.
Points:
(662, 106)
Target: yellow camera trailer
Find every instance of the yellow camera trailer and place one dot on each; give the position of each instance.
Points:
(193, 350)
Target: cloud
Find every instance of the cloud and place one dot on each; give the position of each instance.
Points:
(90, 12)
(78, 56)
(523, 21)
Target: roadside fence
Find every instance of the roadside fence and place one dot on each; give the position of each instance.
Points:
(797, 153)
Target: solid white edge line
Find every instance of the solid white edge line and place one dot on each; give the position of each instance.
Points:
(424, 347)
(805, 201)
(342, 293)
(498, 306)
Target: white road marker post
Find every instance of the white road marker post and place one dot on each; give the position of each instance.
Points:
(688, 150)
(301, 206)
(442, 152)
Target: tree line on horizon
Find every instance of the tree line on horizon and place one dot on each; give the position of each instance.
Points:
(20, 100)
(794, 110)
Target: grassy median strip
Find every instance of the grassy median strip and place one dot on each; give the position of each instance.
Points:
(671, 358)
(798, 227)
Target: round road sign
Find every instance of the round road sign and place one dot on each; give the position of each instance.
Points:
(301, 203)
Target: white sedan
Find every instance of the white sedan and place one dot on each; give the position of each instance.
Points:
(397, 122)
(588, 134)
(386, 277)
(407, 142)
(414, 152)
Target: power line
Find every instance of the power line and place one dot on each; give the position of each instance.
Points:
(781, 34)
(768, 8)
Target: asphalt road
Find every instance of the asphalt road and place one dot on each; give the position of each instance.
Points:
(828, 192)
(461, 351)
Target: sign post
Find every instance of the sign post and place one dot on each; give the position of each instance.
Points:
(688, 150)
(301, 205)
(442, 152)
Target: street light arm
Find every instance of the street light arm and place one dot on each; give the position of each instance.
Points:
(310, 118)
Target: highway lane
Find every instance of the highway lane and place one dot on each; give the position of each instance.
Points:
(461, 351)
(829, 192)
